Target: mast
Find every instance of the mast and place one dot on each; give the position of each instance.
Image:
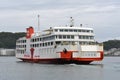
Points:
(71, 22)
(38, 22)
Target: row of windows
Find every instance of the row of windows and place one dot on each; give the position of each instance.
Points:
(62, 37)
(21, 41)
(73, 42)
(65, 37)
(42, 44)
(21, 46)
(43, 39)
(51, 43)
(90, 54)
(21, 51)
(73, 30)
(57, 42)
(86, 37)
(57, 37)
(53, 37)
(51, 50)
(72, 37)
(87, 43)
(47, 50)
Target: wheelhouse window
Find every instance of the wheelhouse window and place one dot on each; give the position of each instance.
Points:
(56, 30)
(91, 37)
(66, 30)
(91, 31)
(61, 30)
(75, 30)
(70, 30)
(83, 30)
(79, 30)
(88, 31)
(66, 36)
(86, 37)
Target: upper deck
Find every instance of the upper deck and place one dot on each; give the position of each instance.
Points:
(82, 34)
(58, 36)
(69, 30)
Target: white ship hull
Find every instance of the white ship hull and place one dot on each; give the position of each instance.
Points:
(60, 45)
(83, 54)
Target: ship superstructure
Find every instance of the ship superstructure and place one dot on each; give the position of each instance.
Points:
(67, 44)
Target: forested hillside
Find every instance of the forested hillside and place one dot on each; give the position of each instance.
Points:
(111, 44)
(8, 39)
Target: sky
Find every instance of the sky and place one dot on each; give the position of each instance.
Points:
(101, 15)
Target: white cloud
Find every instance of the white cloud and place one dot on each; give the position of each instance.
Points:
(102, 15)
(107, 8)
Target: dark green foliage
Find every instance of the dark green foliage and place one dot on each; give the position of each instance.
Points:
(111, 44)
(8, 39)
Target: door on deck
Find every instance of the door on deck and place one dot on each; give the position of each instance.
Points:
(66, 54)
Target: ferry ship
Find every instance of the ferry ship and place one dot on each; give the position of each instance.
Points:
(64, 44)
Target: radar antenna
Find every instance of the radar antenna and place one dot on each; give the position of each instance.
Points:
(71, 22)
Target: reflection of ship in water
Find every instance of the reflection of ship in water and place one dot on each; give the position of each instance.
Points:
(67, 44)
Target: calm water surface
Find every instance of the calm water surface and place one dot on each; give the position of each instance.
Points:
(14, 69)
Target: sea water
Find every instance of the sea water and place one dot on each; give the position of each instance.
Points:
(14, 69)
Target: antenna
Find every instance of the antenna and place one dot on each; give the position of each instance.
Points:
(71, 22)
(81, 25)
(38, 22)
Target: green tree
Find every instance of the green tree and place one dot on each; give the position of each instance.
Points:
(8, 39)
(111, 44)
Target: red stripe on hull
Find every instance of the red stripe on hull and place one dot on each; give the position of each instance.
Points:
(59, 61)
(65, 59)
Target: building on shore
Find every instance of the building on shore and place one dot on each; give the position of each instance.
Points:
(7, 52)
(112, 52)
